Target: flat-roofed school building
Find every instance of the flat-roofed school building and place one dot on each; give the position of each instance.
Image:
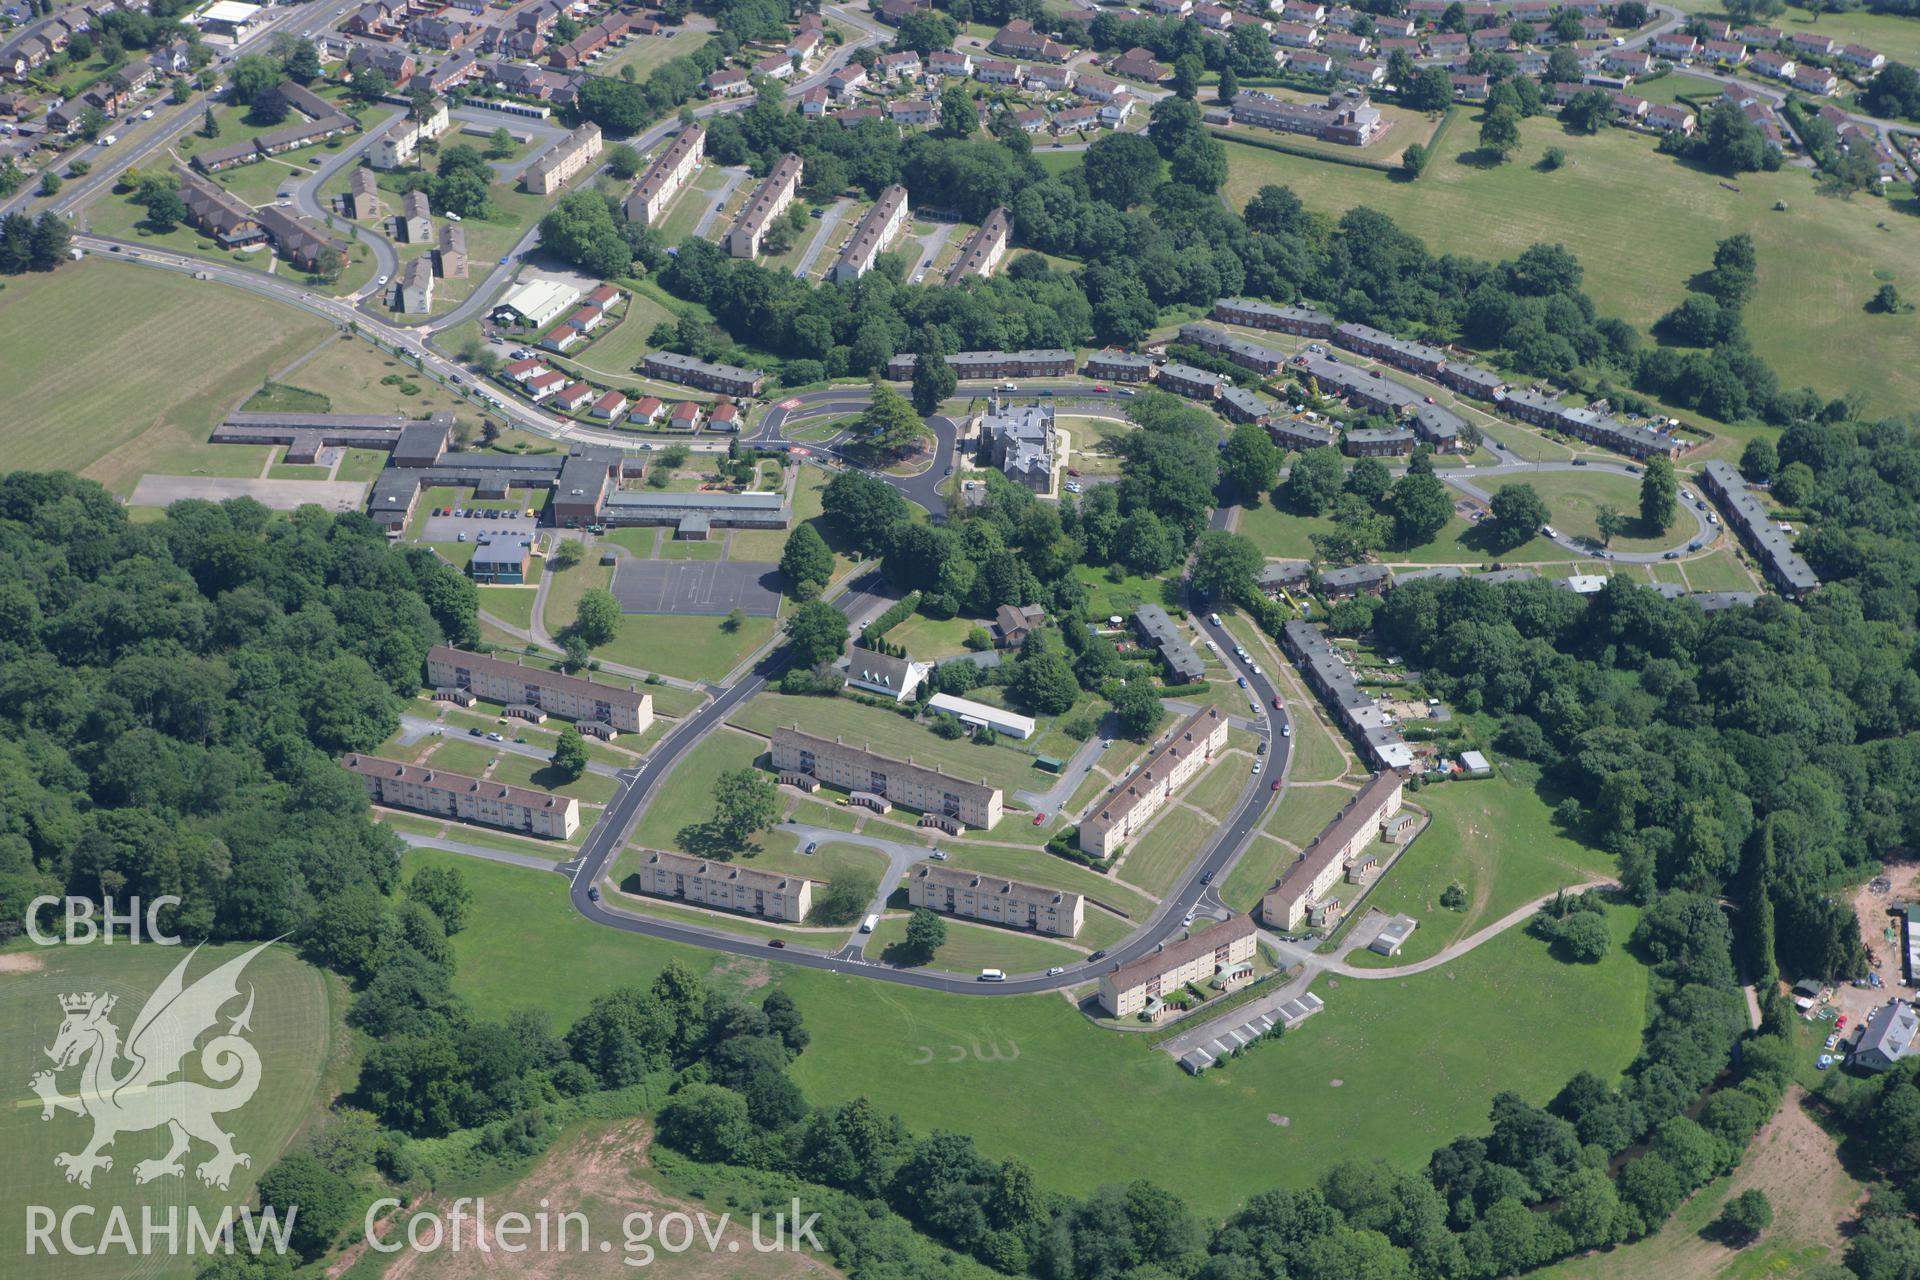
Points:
(748, 890)
(855, 769)
(978, 896)
(511, 683)
(1125, 989)
(399, 785)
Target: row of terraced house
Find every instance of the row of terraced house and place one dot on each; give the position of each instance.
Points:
(1590, 423)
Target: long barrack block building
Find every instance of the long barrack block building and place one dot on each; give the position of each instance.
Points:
(399, 785)
(770, 200)
(1144, 792)
(978, 896)
(855, 769)
(1125, 989)
(721, 884)
(569, 697)
(666, 176)
(1322, 864)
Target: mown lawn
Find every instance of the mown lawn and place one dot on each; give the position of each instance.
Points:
(1080, 1104)
(1642, 224)
(970, 948)
(686, 797)
(1157, 859)
(1494, 837)
(1303, 812)
(108, 371)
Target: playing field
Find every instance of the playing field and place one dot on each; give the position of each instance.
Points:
(1085, 1106)
(114, 371)
(1642, 224)
(293, 1028)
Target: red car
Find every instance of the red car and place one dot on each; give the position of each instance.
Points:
(1840, 1022)
(1074, 472)
(1039, 818)
(1099, 387)
(1275, 785)
(1277, 706)
(1429, 399)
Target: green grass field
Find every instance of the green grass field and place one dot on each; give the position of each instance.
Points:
(95, 383)
(1303, 812)
(892, 735)
(295, 1029)
(689, 646)
(1107, 596)
(686, 797)
(929, 638)
(1085, 1106)
(1575, 498)
(1642, 224)
(615, 352)
(1157, 859)
(1719, 570)
(1496, 839)
(972, 947)
(509, 604)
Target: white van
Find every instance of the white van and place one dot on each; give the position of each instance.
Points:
(870, 924)
(992, 975)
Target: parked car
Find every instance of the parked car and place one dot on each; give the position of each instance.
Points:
(1039, 819)
(1275, 785)
(778, 944)
(1241, 681)
(1095, 955)
(1186, 920)
(1055, 972)
(495, 737)
(1207, 878)
(593, 893)
(811, 846)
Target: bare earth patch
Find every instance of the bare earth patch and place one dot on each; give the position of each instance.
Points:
(21, 962)
(1794, 1161)
(1281, 1121)
(602, 1175)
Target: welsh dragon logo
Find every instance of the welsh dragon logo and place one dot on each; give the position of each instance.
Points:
(148, 1094)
